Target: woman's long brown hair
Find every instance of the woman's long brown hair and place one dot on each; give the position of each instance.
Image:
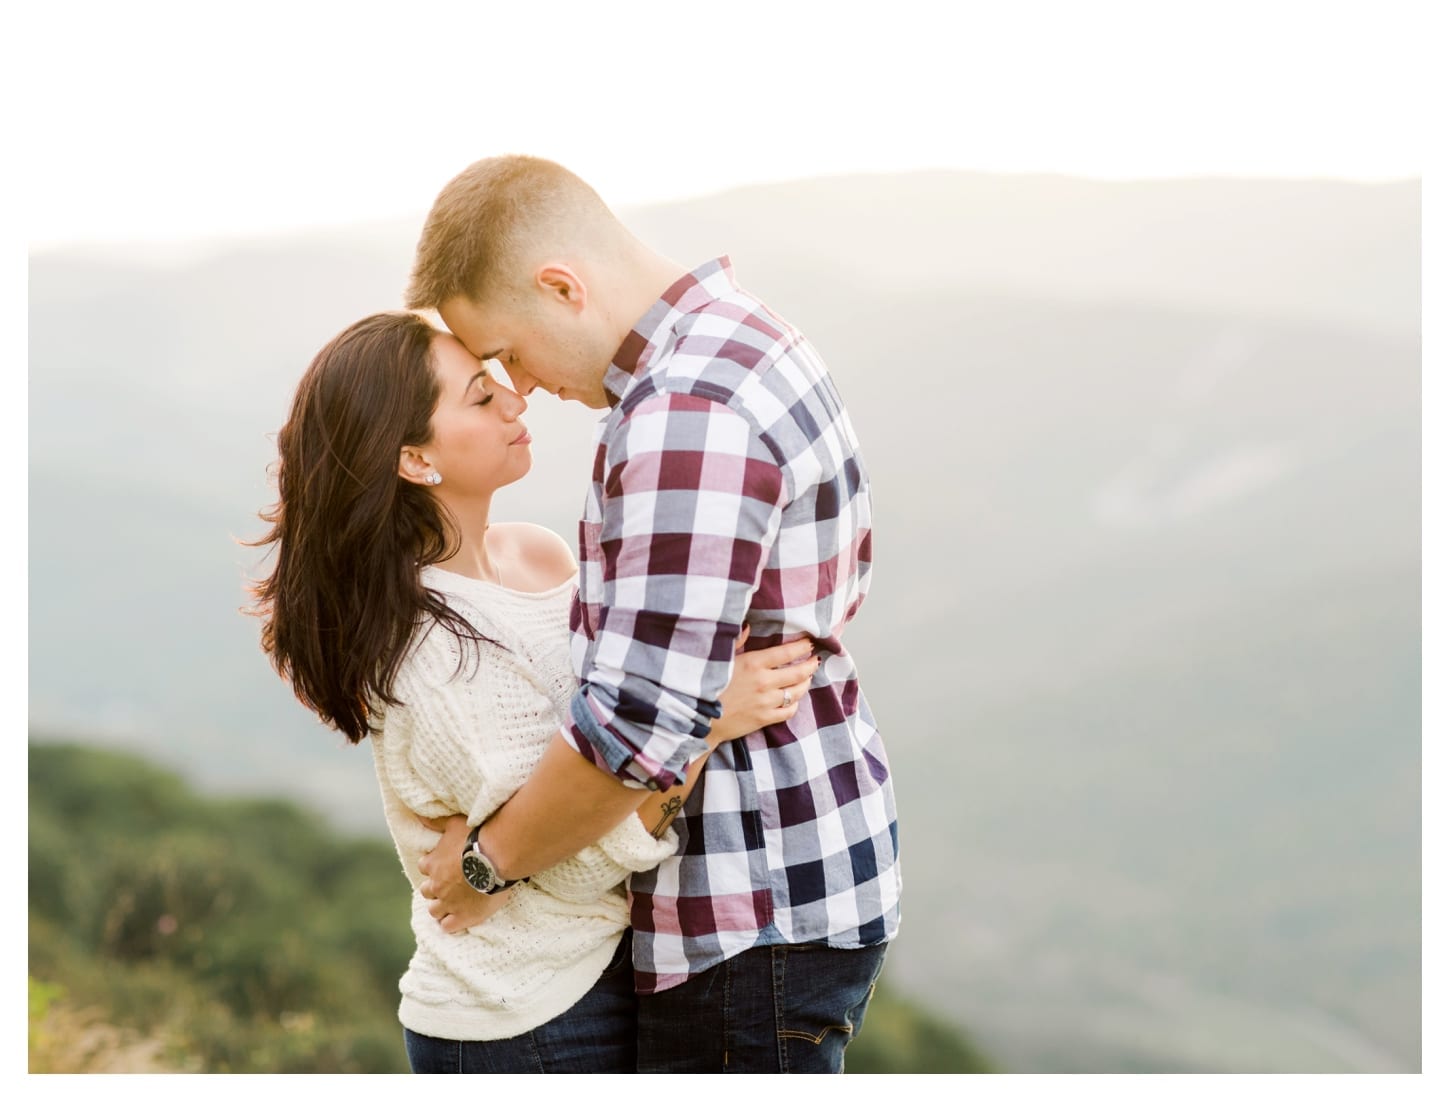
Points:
(344, 599)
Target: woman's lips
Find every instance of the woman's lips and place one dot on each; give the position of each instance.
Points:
(523, 438)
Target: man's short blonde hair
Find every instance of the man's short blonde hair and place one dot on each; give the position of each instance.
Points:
(489, 220)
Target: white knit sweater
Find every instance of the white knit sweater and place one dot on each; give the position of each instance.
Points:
(465, 743)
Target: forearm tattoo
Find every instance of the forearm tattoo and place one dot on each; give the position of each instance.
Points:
(668, 810)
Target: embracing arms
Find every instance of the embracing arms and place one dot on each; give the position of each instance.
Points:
(569, 804)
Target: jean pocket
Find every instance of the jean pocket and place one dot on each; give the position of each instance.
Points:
(818, 1036)
(823, 992)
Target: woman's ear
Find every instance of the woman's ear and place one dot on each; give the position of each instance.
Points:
(414, 467)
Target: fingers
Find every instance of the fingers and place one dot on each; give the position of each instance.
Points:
(783, 654)
(440, 824)
(785, 712)
(471, 911)
(786, 700)
(450, 923)
(740, 640)
(786, 677)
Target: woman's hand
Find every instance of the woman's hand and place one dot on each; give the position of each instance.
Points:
(452, 900)
(766, 686)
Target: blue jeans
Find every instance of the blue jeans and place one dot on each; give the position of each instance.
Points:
(774, 1008)
(596, 1034)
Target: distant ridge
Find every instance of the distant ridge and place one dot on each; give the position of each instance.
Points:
(1232, 243)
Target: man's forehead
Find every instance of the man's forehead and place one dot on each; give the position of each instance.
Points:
(475, 327)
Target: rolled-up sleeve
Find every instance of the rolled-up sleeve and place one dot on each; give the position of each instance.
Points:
(691, 498)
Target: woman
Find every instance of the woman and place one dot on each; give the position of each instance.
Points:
(396, 610)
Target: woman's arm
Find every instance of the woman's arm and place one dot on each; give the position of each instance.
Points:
(754, 698)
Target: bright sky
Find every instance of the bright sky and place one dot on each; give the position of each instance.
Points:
(172, 121)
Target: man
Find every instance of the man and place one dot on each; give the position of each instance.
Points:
(727, 493)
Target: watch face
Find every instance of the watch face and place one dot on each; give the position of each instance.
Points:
(478, 873)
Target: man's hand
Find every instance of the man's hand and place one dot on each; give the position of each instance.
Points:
(453, 901)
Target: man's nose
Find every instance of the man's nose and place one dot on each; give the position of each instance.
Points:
(524, 383)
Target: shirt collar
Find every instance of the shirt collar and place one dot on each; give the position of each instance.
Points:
(712, 280)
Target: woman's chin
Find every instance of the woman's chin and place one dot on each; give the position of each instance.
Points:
(527, 465)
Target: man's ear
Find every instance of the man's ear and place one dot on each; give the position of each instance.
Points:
(562, 284)
(414, 467)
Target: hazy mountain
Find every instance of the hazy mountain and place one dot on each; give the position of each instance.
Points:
(1145, 630)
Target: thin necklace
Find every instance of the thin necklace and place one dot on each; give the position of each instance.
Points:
(497, 573)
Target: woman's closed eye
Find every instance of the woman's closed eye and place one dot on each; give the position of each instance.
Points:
(485, 382)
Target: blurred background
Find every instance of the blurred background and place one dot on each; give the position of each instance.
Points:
(1125, 305)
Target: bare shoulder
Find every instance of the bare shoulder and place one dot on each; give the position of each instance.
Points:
(532, 557)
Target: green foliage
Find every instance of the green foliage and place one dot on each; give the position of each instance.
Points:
(899, 1037)
(243, 936)
(241, 932)
(42, 996)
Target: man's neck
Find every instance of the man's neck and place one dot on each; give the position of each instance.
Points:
(647, 276)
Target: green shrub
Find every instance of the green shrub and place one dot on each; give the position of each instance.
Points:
(243, 936)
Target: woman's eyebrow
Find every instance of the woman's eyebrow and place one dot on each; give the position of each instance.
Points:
(480, 375)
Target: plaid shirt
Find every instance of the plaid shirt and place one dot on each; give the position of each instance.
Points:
(728, 489)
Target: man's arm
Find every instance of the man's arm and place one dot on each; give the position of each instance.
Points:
(577, 804)
(766, 686)
(565, 805)
(691, 506)
(754, 698)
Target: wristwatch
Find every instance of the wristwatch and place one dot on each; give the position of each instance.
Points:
(478, 870)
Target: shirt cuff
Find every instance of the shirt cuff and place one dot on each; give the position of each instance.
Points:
(606, 750)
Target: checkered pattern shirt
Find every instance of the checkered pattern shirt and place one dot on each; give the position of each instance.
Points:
(728, 489)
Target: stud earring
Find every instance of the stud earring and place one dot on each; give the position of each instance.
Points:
(434, 478)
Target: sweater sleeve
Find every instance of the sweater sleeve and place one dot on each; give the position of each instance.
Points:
(431, 738)
(597, 868)
(437, 743)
